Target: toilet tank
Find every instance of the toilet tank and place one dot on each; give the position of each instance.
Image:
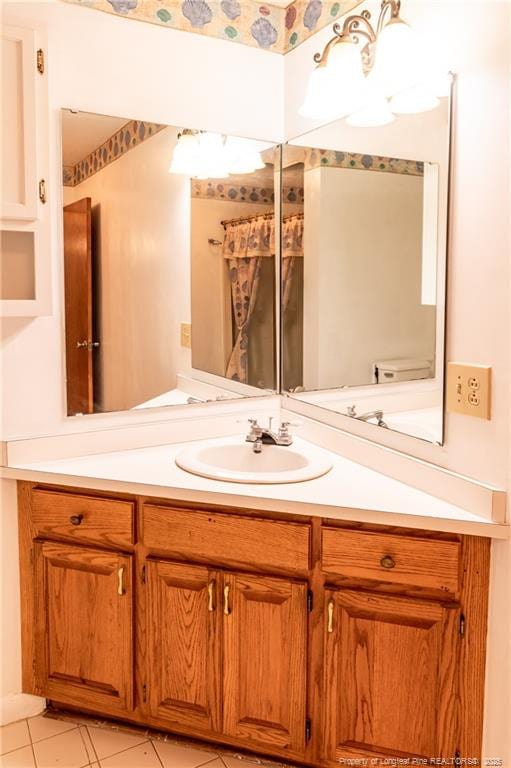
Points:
(404, 369)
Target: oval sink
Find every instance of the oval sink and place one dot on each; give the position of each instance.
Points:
(234, 461)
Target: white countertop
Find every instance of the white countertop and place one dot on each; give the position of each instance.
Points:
(349, 491)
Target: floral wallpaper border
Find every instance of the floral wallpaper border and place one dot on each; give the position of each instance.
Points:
(315, 158)
(129, 136)
(236, 193)
(261, 25)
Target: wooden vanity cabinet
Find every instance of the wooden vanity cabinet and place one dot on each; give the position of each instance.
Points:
(305, 639)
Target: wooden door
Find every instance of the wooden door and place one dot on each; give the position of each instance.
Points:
(183, 665)
(84, 607)
(78, 303)
(389, 677)
(264, 661)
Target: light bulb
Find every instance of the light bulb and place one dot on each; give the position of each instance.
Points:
(413, 100)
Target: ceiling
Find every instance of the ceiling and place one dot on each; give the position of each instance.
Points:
(83, 132)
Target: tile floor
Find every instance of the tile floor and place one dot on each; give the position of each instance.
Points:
(45, 742)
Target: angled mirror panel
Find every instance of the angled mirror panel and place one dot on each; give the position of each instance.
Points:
(158, 311)
(363, 270)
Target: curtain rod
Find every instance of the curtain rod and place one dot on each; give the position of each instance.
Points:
(245, 219)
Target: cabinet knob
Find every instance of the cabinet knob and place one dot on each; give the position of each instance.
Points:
(387, 562)
(76, 519)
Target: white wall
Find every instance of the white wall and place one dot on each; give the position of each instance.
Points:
(351, 251)
(143, 271)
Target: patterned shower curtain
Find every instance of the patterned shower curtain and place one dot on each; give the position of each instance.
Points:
(245, 244)
(292, 248)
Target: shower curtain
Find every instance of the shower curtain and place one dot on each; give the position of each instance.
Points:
(292, 248)
(246, 243)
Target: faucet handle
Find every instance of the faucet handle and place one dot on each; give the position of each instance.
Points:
(351, 410)
(285, 424)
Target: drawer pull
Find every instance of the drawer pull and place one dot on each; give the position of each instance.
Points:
(387, 562)
(330, 625)
(120, 576)
(211, 602)
(76, 519)
(227, 610)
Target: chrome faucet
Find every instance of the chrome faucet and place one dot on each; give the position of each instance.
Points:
(378, 415)
(265, 435)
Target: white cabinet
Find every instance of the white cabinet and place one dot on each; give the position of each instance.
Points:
(25, 275)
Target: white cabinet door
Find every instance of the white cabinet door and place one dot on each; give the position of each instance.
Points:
(19, 127)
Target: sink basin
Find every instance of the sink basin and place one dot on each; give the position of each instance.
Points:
(234, 461)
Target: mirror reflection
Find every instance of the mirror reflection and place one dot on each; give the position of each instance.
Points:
(160, 309)
(363, 265)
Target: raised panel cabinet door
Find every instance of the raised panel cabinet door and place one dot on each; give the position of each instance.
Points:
(264, 660)
(84, 626)
(389, 677)
(183, 662)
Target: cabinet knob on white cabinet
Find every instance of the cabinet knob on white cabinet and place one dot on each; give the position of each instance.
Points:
(42, 191)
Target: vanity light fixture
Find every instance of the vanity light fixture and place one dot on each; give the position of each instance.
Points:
(207, 155)
(369, 74)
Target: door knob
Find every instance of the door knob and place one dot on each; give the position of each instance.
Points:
(89, 345)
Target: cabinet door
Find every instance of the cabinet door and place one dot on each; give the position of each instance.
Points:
(83, 604)
(389, 677)
(183, 667)
(264, 661)
(19, 179)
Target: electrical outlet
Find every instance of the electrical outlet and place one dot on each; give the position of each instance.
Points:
(186, 335)
(469, 389)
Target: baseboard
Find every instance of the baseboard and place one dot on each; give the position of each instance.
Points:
(18, 706)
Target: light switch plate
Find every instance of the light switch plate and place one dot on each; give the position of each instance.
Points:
(186, 335)
(469, 389)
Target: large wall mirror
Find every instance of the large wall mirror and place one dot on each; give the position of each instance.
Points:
(364, 226)
(169, 276)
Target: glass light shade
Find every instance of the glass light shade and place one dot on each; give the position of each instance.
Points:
(375, 112)
(212, 160)
(242, 155)
(397, 61)
(185, 155)
(413, 100)
(320, 97)
(349, 84)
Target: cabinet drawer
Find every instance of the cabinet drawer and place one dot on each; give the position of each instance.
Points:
(227, 539)
(416, 562)
(86, 519)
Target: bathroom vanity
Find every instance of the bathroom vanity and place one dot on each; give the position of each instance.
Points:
(298, 637)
